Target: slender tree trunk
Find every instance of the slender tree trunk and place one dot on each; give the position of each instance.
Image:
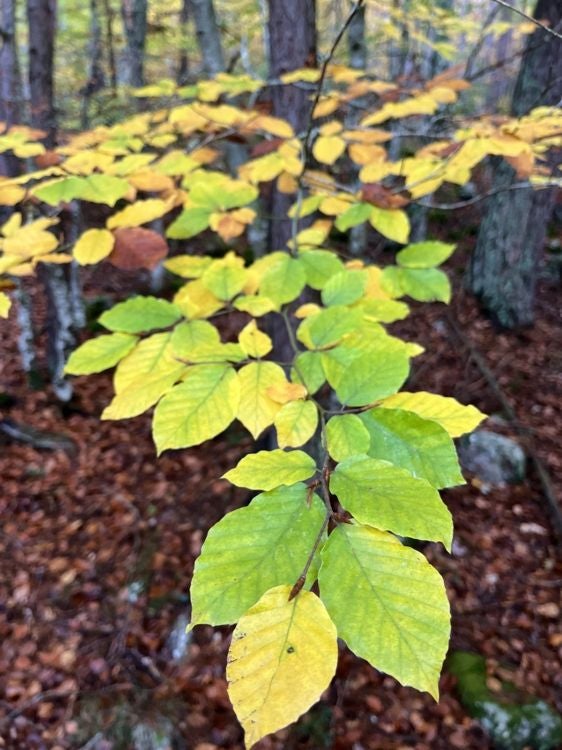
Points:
(41, 16)
(96, 78)
(292, 44)
(110, 45)
(10, 84)
(10, 79)
(133, 13)
(183, 64)
(504, 265)
(356, 43)
(208, 36)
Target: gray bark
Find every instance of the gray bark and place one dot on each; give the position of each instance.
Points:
(26, 338)
(208, 36)
(183, 64)
(292, 44)
(504, 265)
(41, 16)
(133, 13)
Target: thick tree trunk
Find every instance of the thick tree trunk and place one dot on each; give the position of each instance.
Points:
(110, 46)
(208, 36)
(133, 13)
(41, 16)
(504, 265)
(356, 44)
(292, 44)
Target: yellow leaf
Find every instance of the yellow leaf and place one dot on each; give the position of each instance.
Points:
(328, 149)
(52, 258)
(150, 180)
(443, 95)
(287, 184)
(92, 246)
(10, 194)
(273, 125)
(282, 657)
(296, 423)
(257, 409)
(365, 153)
(12, 225)
(335, 205)
(139, 213)
(456, 418)
(282, 393)
(254, 342)
(5, 304)
(306, 310)
(326, 105)
(374, 289)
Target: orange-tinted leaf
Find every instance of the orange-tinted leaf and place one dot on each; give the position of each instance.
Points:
(136, 247)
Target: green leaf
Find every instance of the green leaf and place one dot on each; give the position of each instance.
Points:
(252, 549)
(140, 314)
(344, 288)
(190, 222)
(255, 305)
(282, 657)
(346, 436)
(356, 214)
(327, 327)
(142, 393)
(388, 604)
(392, 223)
(379, 494)
(384, 310)
(426, 284)
(296, 423)
(368, 377)
(284, 280)
(195, 340)
(100, 353)
(456, 418)
(319, 266)
(96, 188)
(425, 254)
(198, 409)
(419, 445)
(308, 371)
(267, 470)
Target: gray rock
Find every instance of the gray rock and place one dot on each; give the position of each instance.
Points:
(495, 459)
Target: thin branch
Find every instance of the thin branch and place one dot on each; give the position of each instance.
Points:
(484, 196)
(529, 18)
(301, 580)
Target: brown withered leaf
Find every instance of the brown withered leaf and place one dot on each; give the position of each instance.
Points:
(378, 195)
(266, 147)
(136, 248)
(48, 159)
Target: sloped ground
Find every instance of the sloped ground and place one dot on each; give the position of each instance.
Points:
(97, 544)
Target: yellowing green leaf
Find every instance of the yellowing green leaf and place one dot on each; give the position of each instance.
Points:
(254, 342)
(100, 353)
(344, 288)
(328, 327)
(346, 436)
(139, 213)
(368, 377)
(392, 223)
(5, 304)
(188, 266)
(267, 470)
(140, 314)
(198, 409)
(296, 423)
(388, 603)
(356, 214)
(190, 222)
(456, 418)
(92, 246)
(143, 392)
(284, 280)
(252, 549)
(379, 494)
(319, 266)
(151, 355)
(225, 277)
(196, 301)
(255, 305)
(308, 370)
(257, 409)
(282, 657)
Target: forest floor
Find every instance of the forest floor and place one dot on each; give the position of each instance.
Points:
(98, 539)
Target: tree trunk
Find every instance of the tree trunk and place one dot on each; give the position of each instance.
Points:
(41, 16)
(109, 13)
(10, 80)
(504, 265)
(133, 13)
(292, 44)
(96, 78)
(208, 36)
(183, 64)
